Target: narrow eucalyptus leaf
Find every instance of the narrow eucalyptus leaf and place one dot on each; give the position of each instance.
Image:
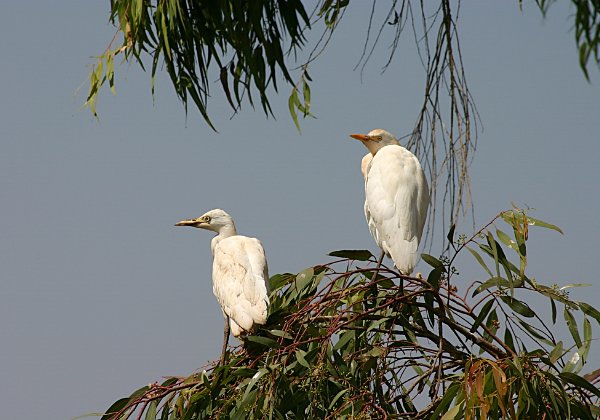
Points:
(265, 341)
(452, 413)
(151, 411)
(485, 310)
(434, 278)
(115, 408)
(450, 235)
(590, 311)
(536, 222)
(432, 261)
(446, 400)
(480, 260)
(300, 357)
(292, 103)
(499, 282)
(506, 240)
(304, 278)
(569, 286)
(518, 306)
(572, 325)
(580, 382)
(352, 254)
(557, 352)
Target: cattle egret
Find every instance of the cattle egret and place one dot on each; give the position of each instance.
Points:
(396, 197)
(239, 274)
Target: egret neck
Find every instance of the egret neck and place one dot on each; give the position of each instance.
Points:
(224, 231)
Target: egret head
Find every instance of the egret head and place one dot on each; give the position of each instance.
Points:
(214, 220)
(376, 139)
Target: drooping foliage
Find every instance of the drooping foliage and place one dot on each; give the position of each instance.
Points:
(255, 48)
(349, 340)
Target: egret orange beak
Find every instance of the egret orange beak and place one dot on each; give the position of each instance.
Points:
(189, 222)
(361, 137)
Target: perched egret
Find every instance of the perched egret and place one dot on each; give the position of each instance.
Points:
(396, 197)
(239, 274)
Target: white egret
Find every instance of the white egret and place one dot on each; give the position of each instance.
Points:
(239, 274)
(396, 197)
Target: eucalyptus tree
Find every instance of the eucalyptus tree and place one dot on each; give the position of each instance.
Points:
(343, 339)
(352, 339)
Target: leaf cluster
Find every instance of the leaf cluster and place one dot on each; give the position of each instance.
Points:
(247, 43)
(351, 340)
(587, 30)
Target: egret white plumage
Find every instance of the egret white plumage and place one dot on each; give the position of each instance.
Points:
(396, 197)
(239, 274)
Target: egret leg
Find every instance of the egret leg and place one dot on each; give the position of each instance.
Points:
(379, 261)
(225, 341)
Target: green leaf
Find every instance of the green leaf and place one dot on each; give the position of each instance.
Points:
(580, 382)
(587, 329)
(553, 306)
(376, 324)
(345, 337)
(446, 400)
(300, 357)
(303, 279)
(480, 260)
(434, 278)
(493, 251)
(536, 222)
(505, 239)
(151, 411)
(450, 235)
(492, 321)
(571, 285)
(243, 372)
(572, 363)
(557, 352)
(587, 339)
(432, 261)
(572, 324)
(452, 413)
(531, 221)
(169, 382)
(590, 311)
(279, 280)
(292, 104)
(337, 397)
(264, 341)
(487, 307)
(535, 332)
(499, 282)
(165, 412)
(139, 392)
(352, 254)
(306, 93)
(115, 408)
(508, 340)
(280, 333)
(518, 306)
(261, 372)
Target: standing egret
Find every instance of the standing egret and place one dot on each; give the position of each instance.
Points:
(239, 274)
(396, 197)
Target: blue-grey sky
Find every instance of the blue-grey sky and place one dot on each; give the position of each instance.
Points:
(101, 294)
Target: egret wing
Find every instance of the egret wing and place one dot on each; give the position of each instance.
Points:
(397, 198)
(240, 281)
